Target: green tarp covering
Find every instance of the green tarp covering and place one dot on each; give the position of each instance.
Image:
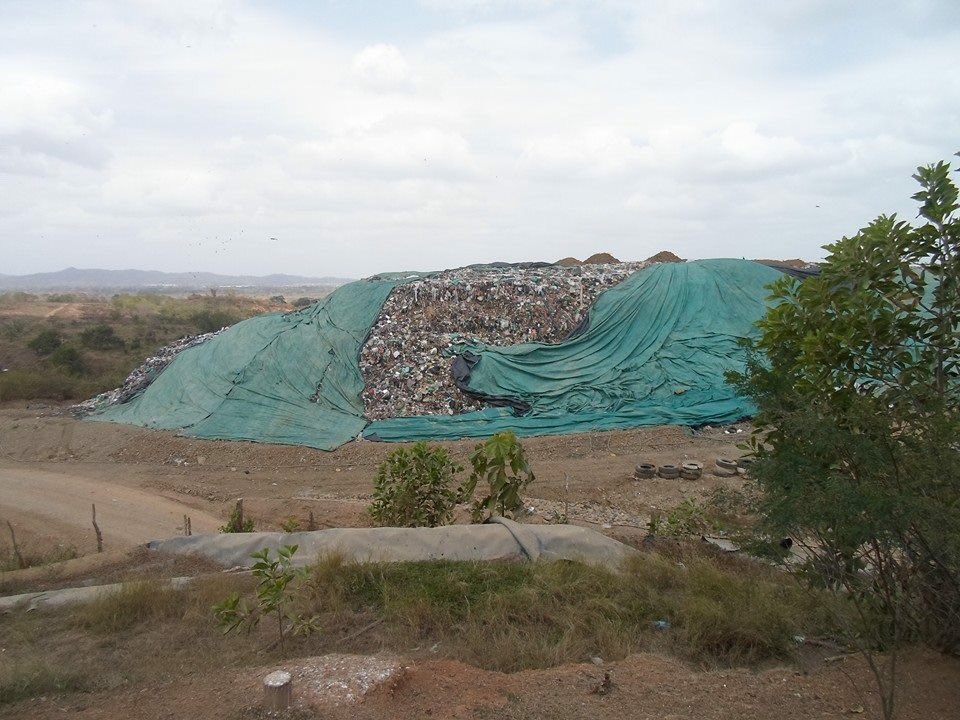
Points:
(256, 380)
(654, 351)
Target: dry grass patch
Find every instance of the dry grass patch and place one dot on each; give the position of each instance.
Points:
(500, 616)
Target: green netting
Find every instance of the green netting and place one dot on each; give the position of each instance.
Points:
(256, 380)
(654, 352)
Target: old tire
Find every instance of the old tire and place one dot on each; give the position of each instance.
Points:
(727, 464)
(669, 472)
(645, 471)
(691, 471)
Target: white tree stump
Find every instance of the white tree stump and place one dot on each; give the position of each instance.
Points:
(277, 690)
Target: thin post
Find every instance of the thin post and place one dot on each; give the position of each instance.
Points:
(16, 548)
(96, 529)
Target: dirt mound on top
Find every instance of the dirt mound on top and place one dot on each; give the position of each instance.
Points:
(795, 263)
(664, 256)
(601, 259)
(568, 262)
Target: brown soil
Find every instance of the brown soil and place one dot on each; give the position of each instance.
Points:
(53, 466)
(796, 263)
(600, 259)
(643, 686)
(664, 256)
(568, 262)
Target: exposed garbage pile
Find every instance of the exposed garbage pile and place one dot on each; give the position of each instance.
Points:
(406, 360)
(140, 377)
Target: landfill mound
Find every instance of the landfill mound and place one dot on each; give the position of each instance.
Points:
(664, 256)
(601, 258)
(651, 350)
(406, 360)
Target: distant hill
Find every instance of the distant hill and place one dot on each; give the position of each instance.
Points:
(96, 279)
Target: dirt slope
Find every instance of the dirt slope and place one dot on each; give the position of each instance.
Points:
(60, 503)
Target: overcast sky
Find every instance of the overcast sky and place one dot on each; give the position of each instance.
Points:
(339, 137)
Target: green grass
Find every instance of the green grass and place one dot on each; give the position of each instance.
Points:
(508, 617)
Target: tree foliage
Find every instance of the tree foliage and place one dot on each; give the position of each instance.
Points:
(70, 359)
(45, 342)
(274, 597)
(416, 488)
(502, 462)
(101, 337)
(855, 376)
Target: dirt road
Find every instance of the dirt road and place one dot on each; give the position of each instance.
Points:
(56, 503)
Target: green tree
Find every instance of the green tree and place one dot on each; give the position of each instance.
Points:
(45, 342)
(101, 337)
(855, 377)
(208, 321)
(502, 462)
(70, 359)
(274, 597)
(416, 488)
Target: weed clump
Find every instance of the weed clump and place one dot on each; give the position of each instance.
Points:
(128, 606)
(19, 681)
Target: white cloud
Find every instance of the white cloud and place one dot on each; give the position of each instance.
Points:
(143, 185)
(44, 120)
(462, 131)
(381, 66)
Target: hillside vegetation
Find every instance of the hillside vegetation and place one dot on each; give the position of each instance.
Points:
(70, 346)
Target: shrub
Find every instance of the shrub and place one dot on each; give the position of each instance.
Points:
(101, 337)
(415, 488)
(207, 321)
(237, 523)
(303, 302)
(502, 462)
(45, 342)
(13, 329)
(273, 597)
(70, 359)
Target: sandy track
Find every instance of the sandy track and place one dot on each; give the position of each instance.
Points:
(126, 516)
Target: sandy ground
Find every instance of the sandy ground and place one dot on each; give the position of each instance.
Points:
(52, 467)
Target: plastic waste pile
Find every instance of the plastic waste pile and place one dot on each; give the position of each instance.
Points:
(406, 360)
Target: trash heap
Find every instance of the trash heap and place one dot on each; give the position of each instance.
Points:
(141, 376)
(406, 360)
